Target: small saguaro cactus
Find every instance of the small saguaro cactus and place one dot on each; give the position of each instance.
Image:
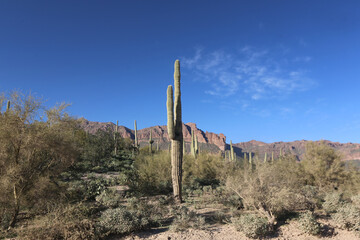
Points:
(245, 157)
(250, 160)
(8, 105)
(174, 126)
(151, 141)
(136, 138)
(115, 136)
(265, 157)
(196, 146)
(157, 145)
(272, 157)
(231, 151)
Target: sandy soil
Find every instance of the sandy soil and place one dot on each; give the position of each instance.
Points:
(289, 230)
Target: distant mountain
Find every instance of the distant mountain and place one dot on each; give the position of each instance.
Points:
(217, 142)
(207, 140)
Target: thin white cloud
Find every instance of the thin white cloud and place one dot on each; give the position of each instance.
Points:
(248, 72)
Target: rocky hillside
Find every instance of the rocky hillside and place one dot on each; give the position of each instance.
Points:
(215, 142)
(207, 140)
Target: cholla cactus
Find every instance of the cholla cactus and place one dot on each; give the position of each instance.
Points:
(174, 126)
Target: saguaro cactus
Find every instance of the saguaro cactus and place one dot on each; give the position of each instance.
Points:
(8, 106)
(231, 151)
(174, 126)
(136, 138)
(151, 141)
(196, 145)
(192, 146)
(115, 136)
(265, 157)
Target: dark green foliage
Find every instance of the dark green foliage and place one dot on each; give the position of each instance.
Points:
(251, 225)
(308, 223)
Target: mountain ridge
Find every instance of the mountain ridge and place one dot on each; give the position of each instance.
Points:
(217, 142)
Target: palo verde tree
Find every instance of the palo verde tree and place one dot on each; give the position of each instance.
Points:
(174, 126)
(33, 153)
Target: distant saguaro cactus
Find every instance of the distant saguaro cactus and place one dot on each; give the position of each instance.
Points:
(136, 138)
(232, 151)
(265, 157)
(115, 136)
(174, 126)
(250, 160)
(151, 141)
(8, 106)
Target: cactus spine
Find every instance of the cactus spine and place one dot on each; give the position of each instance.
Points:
(174, 126)
(136, 138)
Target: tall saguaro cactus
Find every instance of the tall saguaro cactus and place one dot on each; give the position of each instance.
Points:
(174, 126)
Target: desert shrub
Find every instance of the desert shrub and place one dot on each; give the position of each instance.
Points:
(153, 173)
(205, 170)
(87, 189)
(109, 198)
(119, 221)
(308, 223)
(273, 190)
(72, 222)
(184, 219)
(347, 216)
(33, 153)
(332, 202)
(137, 215)
(251, 225)
(356, 200)
(323, 166)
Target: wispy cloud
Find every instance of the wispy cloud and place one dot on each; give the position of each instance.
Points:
(247, 72)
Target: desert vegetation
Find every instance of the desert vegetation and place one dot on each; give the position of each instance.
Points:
(60, 182)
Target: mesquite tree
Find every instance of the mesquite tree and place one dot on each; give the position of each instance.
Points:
(174, 126)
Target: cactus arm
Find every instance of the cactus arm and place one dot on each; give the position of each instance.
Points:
(170, 112)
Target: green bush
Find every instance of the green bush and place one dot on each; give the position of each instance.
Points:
(184, 219)
(347, 217)
(109, 198)
(308, 223)
(153, 173)
(120, 221)
(137, 215)
(70, 222)
(332, 202)
(251, 225)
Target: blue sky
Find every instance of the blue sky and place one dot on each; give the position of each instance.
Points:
(265, 70)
